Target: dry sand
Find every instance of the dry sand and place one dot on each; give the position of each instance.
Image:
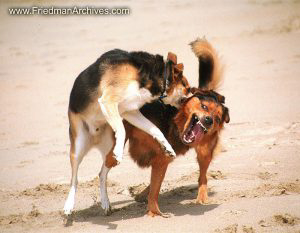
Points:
(254, 183)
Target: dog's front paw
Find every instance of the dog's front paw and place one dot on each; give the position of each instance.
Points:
(166, 147)
(169, 151)
(202, 197)
(117, 157)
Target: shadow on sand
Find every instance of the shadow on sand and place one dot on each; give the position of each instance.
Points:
(178, 201)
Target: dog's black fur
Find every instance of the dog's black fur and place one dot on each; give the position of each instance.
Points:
(206, 66)
(150, 67)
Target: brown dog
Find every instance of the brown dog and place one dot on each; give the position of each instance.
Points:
(196, 124)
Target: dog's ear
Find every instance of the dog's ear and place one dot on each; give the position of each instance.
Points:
(174, 70)
(226, 116)
(194, 90)
(220, 98)
(170, 71)
(172, 57)
(179, 68)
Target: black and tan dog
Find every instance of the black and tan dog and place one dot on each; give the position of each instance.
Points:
(112, 89)
(197, 124)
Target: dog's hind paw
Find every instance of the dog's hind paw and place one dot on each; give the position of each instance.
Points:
(108, 211)
(67, 212)
(106, 207)
(155, 213)
(69, 206)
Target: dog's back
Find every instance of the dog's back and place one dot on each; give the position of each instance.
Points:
(86, 85)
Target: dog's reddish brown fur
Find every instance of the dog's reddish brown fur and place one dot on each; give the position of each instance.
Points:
(146, 152)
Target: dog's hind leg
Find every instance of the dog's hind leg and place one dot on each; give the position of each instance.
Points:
(105, 147)
(111, 112)
(137, 119)
(105, 204)
(79, 147)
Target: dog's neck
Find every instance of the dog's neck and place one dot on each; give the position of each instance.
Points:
(165, 82)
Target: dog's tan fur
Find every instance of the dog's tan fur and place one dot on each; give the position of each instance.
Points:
(201, 47)
(116, 88)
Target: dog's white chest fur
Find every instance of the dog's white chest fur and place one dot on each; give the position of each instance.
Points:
(134, 98)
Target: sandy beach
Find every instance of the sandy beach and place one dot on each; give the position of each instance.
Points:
(254, 182)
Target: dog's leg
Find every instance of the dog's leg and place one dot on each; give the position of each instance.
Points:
(112, 116)
(137, 119)
(203, 161)
(105, 147)
(105, 204)
(158, 172)
(108, 162)
(79, 147)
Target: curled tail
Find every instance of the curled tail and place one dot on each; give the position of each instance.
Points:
(210, 70)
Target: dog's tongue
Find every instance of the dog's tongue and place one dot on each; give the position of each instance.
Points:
(198, 130)
(195, 133)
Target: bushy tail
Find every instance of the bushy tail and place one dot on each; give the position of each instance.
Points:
(210, 69)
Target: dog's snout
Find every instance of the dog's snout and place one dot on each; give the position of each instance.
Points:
(208, 121)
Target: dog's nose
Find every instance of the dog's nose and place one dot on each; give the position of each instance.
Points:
(208, 120)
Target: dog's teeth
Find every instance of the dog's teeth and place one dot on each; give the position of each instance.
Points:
(199, 123)
(184, 138)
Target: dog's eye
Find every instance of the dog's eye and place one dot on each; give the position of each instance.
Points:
(204, 107)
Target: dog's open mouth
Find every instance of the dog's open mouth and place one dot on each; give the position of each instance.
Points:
(194, 132)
